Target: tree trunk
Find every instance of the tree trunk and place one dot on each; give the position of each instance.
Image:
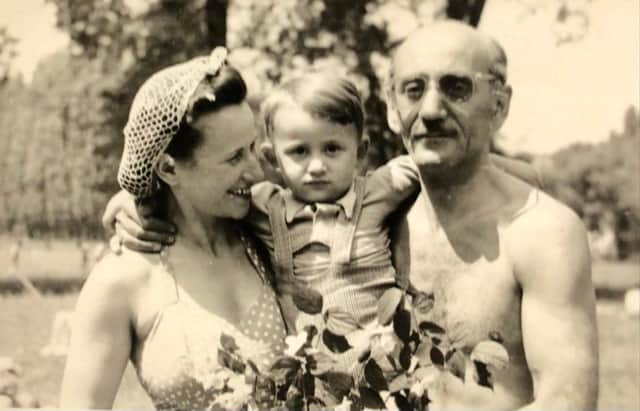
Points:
(468, 11)
(216, 15)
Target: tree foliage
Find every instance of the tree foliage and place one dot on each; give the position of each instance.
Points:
(601, 182)
(64, 130)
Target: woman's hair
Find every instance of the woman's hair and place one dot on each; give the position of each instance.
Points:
(322, 94)
(228, 87)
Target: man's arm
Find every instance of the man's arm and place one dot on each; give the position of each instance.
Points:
(137, 225)
(553, 266)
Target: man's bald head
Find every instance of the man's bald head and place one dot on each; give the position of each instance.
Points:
(481, 52)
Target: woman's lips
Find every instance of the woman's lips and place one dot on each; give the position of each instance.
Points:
(241, 192)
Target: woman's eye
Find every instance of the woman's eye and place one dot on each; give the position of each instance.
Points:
(236, 157)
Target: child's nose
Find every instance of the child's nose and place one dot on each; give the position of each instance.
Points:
(317, 166)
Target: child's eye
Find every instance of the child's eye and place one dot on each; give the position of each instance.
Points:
(332, 148)
(297, 151)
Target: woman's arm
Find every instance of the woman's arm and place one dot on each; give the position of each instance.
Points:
(101, 338)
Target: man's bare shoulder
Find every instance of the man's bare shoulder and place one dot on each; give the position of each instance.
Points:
(549, 241)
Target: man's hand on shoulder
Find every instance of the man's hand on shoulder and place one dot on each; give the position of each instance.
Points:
(135, 225)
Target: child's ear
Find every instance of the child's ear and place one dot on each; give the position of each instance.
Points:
(268, 153)
(166, 169)
(363, 148)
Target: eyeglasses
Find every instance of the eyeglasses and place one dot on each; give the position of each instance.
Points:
(458, 88)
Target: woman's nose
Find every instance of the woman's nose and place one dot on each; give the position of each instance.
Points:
(253, 172)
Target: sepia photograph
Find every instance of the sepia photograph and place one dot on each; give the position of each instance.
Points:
(189, 187)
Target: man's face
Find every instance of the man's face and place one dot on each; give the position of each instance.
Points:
(443, 101)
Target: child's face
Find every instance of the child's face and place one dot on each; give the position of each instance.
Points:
(317, 158)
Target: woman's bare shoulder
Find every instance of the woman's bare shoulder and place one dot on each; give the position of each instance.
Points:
(119, 276)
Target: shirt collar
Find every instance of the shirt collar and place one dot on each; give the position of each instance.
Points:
(293, 206)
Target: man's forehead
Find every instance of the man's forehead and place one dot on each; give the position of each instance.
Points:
(441, 47)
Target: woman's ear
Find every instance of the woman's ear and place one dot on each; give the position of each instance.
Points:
(166, 169)
(268, 152)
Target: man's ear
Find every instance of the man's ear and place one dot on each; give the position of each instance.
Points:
(268, 152)
(503, 102)
(393, 118)
(166, 169)
(363, 148)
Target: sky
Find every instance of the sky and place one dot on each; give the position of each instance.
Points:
(575, 92)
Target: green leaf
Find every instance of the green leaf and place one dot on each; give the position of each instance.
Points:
(340, 322)
(491, 353)
(436, 356)
(405, 357)
(371, 399)
(228, 343)
(456, 363)
(496, 336)
(388, 304)
(399, 383)
(430, 327)
(402, 325)
(307, 299)
(335, 343)
(481, 375)
(321, 363)
(338, 383)
(229, 361)
(285, 369)
(423, 302)
(308, 385)
(374, 377)
(402, 402)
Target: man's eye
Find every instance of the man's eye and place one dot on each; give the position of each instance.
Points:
(414, 90)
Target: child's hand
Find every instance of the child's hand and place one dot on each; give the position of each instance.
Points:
(135, 226)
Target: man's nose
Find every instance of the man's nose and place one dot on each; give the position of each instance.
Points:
(316, 165)
(431, 106)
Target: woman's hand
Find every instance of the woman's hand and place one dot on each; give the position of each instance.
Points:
(134, 225)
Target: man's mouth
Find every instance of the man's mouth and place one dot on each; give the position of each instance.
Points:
(240, 192)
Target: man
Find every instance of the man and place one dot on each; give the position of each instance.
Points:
(499, 257)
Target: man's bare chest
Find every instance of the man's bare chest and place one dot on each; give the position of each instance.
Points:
(472, 283)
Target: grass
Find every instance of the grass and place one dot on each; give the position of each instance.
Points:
(25, 326)
(25, 322)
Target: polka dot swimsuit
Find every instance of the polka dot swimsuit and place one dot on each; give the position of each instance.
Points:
(181, 350)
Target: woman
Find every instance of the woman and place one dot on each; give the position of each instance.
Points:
(188, 141)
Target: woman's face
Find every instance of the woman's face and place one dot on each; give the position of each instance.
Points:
(216, 180)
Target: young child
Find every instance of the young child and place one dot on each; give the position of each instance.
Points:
(325, 228)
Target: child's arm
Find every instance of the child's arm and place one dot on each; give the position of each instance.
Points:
(391, 184)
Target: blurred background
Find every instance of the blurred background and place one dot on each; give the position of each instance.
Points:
(69, 70)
